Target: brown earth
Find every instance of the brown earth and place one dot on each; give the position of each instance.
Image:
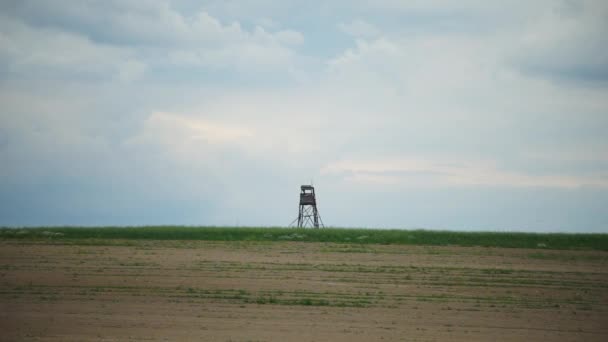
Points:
(290, 291)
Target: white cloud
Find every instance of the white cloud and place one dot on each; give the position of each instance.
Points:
(254, 126)
(173, 130)
(359, 28)
(419, 172)
(243, 57)
(212, 44)
(551, 39)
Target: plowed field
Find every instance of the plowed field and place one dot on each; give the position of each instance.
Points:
(118, 290)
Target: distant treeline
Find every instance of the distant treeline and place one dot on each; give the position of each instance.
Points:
(336, 235)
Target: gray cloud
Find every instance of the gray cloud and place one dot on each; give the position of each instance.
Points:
(568, 42)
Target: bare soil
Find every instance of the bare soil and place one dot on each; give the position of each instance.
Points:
(290, 291)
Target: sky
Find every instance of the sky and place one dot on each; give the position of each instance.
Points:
(436, 114)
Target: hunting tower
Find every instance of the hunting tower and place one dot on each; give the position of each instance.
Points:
(308, 214)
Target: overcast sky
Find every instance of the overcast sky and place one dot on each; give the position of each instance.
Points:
(468, 115)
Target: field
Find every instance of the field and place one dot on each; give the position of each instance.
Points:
(246, 284)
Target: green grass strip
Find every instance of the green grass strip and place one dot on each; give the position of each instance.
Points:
(336, 235)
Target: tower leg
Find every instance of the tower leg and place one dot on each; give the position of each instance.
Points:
(301, 217)
(308, 216)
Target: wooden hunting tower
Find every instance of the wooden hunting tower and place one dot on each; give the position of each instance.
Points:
(308, 214)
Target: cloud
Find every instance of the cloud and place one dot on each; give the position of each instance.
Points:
(359, 28)
(562, 41)
(146, 112)
(441, 173)
(188, 137)
(464, 90)
(31, 51)
(255, 126)
(567, 42)
(162, 36)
